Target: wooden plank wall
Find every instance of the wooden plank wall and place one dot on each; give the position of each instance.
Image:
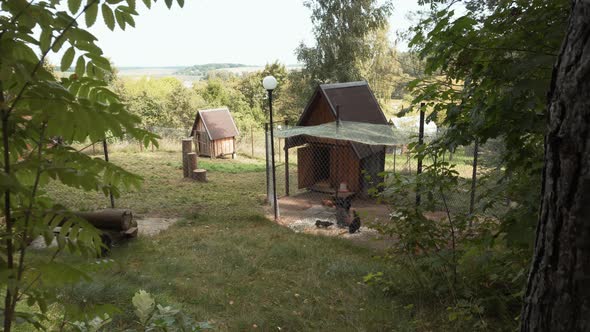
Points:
(223, 146)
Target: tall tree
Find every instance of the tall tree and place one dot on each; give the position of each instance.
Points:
(485, 77)
(558, 291)
(36, 106)
(382, 68)
(341, 28)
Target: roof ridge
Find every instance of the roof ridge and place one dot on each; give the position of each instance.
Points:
(215, 109)
(343, 85)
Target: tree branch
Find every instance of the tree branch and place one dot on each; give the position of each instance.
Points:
(42, 59)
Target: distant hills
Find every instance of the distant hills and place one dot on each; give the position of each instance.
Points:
(202, 70)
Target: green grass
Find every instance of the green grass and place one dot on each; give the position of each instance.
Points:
(225, 263)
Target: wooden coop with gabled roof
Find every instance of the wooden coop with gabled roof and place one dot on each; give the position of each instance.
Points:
(214, 132)
(323, 164)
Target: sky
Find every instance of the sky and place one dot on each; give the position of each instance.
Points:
(252, 32)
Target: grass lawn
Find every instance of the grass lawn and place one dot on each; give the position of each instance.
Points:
(225, 263)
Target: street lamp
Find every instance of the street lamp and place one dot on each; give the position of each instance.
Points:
(270, 83)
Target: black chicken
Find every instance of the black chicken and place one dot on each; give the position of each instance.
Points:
(355, 224)
(323, 224)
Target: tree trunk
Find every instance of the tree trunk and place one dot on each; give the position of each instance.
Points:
(187, 147)
(557, 297)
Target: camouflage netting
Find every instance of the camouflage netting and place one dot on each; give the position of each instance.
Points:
(360, 132)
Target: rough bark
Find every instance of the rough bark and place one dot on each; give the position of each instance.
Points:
(200, 175)
(113, 219)
(557, 297)
(192, 162)
(187, 147)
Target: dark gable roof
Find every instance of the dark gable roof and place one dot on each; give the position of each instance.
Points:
(355, 101)
(218, 123)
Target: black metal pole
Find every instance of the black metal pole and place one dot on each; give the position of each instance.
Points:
(267, 161)
(106, 158)
(420, 143)
(272, 156)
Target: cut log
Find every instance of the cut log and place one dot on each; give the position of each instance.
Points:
(192, 162)
(187, 147)
(113, 219)
(200, 175)
(131, 232)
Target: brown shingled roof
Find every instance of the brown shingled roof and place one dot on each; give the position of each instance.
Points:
(218, 123)
(355, 102)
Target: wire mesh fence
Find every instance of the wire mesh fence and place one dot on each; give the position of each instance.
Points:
(321, 169)
(324, 168)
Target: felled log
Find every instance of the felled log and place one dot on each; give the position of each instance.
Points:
(200, 175)
(111, 219)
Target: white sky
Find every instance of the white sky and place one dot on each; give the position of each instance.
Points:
(251, 32)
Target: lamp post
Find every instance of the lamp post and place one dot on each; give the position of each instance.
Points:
(270, 83)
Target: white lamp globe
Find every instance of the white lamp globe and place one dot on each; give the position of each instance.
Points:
(269, 83)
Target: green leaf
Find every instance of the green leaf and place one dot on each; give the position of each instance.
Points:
(74, 5)
(120, 19)
(180, 3)
(144, 305)
(147, 3)
(80, 66)
(168, 3)
(45, 39)
(58, 43)
(107, 15)
(129, 19)
(91, 13)
(67, 59)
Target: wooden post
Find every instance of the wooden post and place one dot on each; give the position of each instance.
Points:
(106, 158)
(192, 162)
(473, 178)
(420, 143)
(278, 139)
(186, 149)
(211, 151)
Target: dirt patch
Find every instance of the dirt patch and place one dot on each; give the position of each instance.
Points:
(148, 226)
(300, 213)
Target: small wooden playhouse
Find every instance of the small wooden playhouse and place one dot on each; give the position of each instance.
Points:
(324, 164)
(215, 133)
